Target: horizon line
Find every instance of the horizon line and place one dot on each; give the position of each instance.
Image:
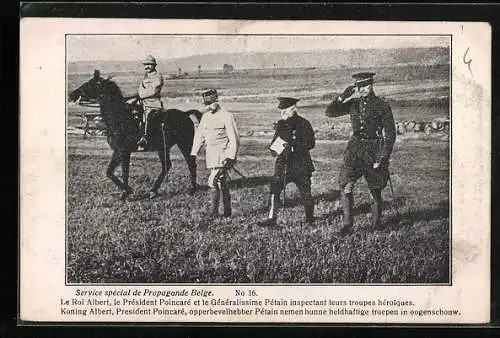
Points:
(270, 52)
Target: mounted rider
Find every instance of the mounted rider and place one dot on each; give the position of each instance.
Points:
(149, 93)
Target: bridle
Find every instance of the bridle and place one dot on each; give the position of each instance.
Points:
(88, 103)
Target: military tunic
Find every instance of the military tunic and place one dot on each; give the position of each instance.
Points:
(294, 165)
(219, 132)
(372, 141)
(150, 91)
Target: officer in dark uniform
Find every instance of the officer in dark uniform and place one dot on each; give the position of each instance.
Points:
(294, 163)
(370, 146)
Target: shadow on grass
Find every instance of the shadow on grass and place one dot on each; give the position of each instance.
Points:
(249, 182)
(410, 217)
(296, 201)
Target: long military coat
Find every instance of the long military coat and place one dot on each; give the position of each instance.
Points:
(372, 141)
(218, 131)
(299, 134)
(370, 117)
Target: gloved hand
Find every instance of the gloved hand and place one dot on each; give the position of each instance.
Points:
(133, 100)
(228, 162)
(348, 92)
(382, 164)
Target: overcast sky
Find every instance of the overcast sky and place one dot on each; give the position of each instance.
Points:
(135, 47)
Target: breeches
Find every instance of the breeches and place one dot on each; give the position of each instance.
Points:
(217, 177)
(358, 161)
(303, 183)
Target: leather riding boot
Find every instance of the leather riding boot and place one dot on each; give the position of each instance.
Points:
(213, 212)
(376, 204)
(309, 211)
(214, 202)
(347, 205)
(143, 142)
(226, 199)
(146, 131)
(273, 211)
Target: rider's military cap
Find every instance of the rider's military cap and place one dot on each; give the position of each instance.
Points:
(149, 60)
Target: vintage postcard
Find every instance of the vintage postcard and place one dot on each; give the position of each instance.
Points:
(149, 192)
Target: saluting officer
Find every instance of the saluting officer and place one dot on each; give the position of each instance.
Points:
(218, 131)
(294, 163)
(149, 92)
(370, 147)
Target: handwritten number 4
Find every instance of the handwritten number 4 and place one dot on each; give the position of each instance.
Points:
(469, 61)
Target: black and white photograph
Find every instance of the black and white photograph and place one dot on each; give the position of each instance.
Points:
(172, 177)
(211, 171)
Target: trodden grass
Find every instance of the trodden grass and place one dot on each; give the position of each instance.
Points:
(158, 240)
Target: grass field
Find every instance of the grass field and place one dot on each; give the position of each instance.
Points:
(158, 241)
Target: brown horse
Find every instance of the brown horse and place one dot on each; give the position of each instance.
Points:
(123, 129)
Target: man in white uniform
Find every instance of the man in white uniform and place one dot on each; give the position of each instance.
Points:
(218, 131)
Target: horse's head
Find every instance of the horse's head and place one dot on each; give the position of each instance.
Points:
(89, 91)
(97, 89)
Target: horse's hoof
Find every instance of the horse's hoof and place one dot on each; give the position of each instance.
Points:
(153, 194)
(124, 196)
(192, 191)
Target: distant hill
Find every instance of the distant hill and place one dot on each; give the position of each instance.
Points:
(320, 59)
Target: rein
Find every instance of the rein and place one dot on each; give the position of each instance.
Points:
(90, 104)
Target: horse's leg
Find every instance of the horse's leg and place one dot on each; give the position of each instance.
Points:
(110, 172)
(185, 149)
(125, 159)
(166, 164)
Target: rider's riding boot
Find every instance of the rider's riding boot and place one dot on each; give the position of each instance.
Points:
(347, 204)
(143, 142)
(273, 211)
(376, 206)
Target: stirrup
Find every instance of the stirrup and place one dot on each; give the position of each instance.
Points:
(143, 142)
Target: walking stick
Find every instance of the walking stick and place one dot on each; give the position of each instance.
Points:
(284, 178)
(238, 172)
(164, 143)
